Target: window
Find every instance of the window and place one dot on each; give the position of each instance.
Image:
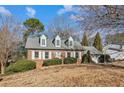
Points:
(43, 41)
(68, 54)
(70, 43)
(36, 54)
(46, 55)
(58, 54)
(58, 42)
(77, 55)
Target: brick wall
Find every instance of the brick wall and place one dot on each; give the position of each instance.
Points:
(39, 62)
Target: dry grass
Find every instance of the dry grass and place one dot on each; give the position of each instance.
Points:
(67, 76)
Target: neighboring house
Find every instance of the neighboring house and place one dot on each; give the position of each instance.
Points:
(44, 48)
(115, 50)
(95, 54)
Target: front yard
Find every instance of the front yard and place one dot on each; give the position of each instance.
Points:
(68, 75)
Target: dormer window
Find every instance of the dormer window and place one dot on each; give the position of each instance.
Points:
(70, 42)
(57, 41)
(43, 41)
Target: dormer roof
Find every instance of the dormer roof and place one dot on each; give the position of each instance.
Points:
(32, 43)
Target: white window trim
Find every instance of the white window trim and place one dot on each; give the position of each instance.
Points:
(45, 42)
(57, 38)
(71, 39)
(48, 55)
(41, 38)
(58, 54)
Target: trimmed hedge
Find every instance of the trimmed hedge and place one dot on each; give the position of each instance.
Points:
(20, 66)
(70, 60)
(55, 61)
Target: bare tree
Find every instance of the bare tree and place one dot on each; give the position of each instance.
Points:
(64, 27)
(97, 17)
(9, 39)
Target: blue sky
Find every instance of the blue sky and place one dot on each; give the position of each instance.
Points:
(44, 13)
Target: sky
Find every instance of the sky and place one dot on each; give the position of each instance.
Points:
(44, 13)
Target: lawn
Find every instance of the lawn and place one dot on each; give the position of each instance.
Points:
(68, 76)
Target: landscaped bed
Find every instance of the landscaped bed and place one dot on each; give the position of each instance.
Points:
(68, 75)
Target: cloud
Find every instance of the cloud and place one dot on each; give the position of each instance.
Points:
(67, 8)
(76, 17)
(5, 11)
(30, 12)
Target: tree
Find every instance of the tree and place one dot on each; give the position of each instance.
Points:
(84, 40)
(89, 57)
(33, 27)
(97, 42)
(64, 27)
(9, 39)
(100, 17)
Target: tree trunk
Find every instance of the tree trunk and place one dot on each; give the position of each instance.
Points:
(2, 69)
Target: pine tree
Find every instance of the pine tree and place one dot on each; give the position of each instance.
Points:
(84, 40)
(97, 42)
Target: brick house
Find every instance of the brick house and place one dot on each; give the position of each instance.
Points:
(44, 48)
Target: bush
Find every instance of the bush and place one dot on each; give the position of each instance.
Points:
(70, 60)
(20, 66)
(104, 58)
(55, 61)
(87, 58)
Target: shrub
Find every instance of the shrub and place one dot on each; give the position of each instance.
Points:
(20, 66)
(104, 58)
(70, 60)
(87, 58)
(55, 61)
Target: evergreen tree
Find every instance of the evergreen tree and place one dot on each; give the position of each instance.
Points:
(84, 40)
(98, 42)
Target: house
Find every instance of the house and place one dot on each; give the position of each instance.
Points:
(115, 50)
(95, 54)
(44, 48)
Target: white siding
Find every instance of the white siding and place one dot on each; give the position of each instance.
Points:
(58, 38)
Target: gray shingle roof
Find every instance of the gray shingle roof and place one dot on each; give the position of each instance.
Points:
(33, 43)
(92, 50)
